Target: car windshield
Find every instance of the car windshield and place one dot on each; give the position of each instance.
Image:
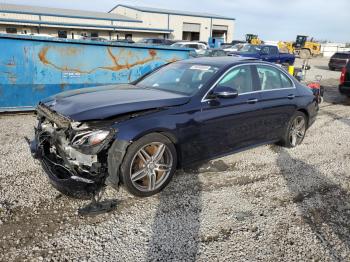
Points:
(250, 49)
(180, 78)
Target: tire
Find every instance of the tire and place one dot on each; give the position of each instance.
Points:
(305, 54)
(144, 173)
(287, 140)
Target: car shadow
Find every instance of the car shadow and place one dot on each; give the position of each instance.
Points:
(175, 229)
(333, 96)
(323, 67)
(323, 204)
(336, 117)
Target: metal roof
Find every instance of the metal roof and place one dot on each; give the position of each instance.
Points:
(61, 12)
(172, 12)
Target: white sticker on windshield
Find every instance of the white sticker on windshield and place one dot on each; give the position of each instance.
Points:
(200, 67)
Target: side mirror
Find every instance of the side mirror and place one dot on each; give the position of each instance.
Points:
(224, 92)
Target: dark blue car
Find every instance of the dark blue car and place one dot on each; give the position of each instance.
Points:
(138, 134)
(268, 53)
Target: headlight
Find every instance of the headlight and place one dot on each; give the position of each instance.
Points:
(90, 138)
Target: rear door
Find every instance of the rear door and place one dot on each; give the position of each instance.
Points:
(277, 99)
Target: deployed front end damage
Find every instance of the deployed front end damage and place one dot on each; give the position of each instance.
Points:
(74, 155)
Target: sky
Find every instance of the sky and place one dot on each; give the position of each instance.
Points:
(270, 19)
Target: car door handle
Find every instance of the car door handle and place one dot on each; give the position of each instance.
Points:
(252, 101)
(291, 96)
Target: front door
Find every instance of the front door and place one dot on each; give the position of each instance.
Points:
(227, 124)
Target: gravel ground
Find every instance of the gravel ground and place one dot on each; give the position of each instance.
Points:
(268, 203)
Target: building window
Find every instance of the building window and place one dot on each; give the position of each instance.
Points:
(94, 34)
(128, 36)
(62, 34)
(11, 30)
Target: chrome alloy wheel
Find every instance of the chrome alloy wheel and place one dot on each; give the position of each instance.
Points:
(151, 166)
(297, 131)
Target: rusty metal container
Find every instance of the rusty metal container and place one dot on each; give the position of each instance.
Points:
(33, 68)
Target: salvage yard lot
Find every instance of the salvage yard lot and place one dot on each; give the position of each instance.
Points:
(268, 203)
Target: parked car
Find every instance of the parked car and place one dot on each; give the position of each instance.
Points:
(344, 85)
(155, 41)
(199, 47)
(234, 48)
(268, 53)
(212, 53)
(127, 41)
(138, 134)
(339, 60)
(92, 38)
(234, 42)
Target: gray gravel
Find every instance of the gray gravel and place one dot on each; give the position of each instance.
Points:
(268, 203)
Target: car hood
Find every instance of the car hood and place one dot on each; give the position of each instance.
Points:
(109, 101)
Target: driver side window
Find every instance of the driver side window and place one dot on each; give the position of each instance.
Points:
(239, 78)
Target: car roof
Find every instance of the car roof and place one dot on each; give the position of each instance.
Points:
(220, 61)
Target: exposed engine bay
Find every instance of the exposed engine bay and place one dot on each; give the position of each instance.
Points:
(72, 151)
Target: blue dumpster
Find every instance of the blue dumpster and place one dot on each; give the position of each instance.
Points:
(32, 68)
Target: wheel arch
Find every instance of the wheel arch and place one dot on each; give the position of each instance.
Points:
(304, 111)
(169, 134)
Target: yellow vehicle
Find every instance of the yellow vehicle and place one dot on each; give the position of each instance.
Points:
(285, 47)
(306, 49)
(253, 39)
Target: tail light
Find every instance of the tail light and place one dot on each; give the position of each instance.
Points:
(342, 76)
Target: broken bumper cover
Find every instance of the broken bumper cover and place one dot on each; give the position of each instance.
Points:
(62, 178)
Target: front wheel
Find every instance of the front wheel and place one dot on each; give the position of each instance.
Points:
(148, 165)
(295, 131)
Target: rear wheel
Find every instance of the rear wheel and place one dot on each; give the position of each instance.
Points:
(305, 54)
(295, 132)
(148, 165)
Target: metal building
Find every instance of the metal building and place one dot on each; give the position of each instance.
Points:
(121, 22)
(181, 25)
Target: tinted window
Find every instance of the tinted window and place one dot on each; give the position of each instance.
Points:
(265, 50)
(239, 78)
(195, 46)
(179, 77)
(250, 49)
(273, 50)
(272, 78)
(342, 55)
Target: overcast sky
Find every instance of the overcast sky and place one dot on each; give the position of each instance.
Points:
(270, 19)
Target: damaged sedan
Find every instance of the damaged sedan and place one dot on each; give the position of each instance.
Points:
(137, 135)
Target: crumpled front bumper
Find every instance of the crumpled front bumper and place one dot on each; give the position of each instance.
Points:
(62, 178)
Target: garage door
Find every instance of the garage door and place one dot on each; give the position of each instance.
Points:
(220, 27)
(190, 27)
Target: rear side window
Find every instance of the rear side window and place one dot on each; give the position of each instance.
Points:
(239, 78)
(342, 55)
(271, 78)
